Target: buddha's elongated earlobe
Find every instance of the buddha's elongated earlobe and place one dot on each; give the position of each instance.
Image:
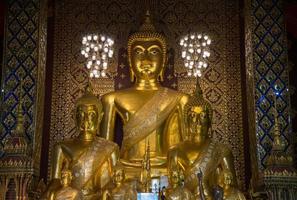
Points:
(161, 75)
(132, 76)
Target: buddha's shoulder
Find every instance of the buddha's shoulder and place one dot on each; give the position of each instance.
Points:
(101, 141)
(111, 96)
(175, 92)
(183, 97)
(66, 143)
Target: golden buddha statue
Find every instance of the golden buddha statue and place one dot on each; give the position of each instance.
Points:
(176, 191)
(89, 158)
(230, 192)
(199, 154)
(121, 190)
(67, 192)
(149, 111)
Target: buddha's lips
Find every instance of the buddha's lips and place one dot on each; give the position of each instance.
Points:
(87, 127)
(146, 67)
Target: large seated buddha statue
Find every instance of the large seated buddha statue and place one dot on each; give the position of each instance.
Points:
(90, 159)
(150, 113)
(199, 154)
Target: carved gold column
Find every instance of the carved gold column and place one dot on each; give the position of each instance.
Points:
(280, 177)
(24, 59)
(16, 165)
(266, 77)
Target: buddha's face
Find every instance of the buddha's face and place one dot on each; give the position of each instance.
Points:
(119, 176)
(228, 179)
(174, 177)
(147, 59)
(87, 117)
(199, 123)
(66, 178)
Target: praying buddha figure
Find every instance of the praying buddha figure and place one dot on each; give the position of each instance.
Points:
(199, 153)
(177, 191)
(89, 158)
(67, 192)
(120, 189)
(226, 181)
(148, 111)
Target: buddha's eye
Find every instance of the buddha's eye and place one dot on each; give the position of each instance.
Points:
(92, 115)
(154, 51)
(138, 51)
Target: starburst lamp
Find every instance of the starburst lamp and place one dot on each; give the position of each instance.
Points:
(98, 50)
(195, 53)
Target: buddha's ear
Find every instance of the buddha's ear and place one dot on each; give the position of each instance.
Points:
(132, 77)
(100, 111)
(167, 58)
(101, 114)
(161, 75)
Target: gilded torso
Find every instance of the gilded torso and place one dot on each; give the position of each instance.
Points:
(129, 102)
(89, 163)
(194, 157)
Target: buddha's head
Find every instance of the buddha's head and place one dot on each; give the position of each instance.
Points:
(118, 174)
(226, 179)
(147, 53)
(175, 176)
(88, 113)
(66, 177)
(198, 114)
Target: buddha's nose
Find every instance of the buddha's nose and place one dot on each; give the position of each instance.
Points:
(146, 64)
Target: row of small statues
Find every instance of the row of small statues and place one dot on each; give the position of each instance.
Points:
(121, 190)
(165, 132)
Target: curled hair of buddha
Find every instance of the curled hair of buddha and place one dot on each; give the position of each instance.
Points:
(147, 32)
(89, 98)
(197, 100)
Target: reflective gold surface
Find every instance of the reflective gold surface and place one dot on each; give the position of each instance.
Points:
(176, 191)
(89, 158)
(199, 152)
(149, 111)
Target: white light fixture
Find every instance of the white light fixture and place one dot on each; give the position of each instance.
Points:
(97, 49)
(195, 53)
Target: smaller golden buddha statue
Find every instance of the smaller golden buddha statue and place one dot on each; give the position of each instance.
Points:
(120, 190)
(199, 153)
(67, 192)
(89, 158)
(230, 192)
(177, 191)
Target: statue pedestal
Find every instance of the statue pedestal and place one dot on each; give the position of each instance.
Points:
(147, 196)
